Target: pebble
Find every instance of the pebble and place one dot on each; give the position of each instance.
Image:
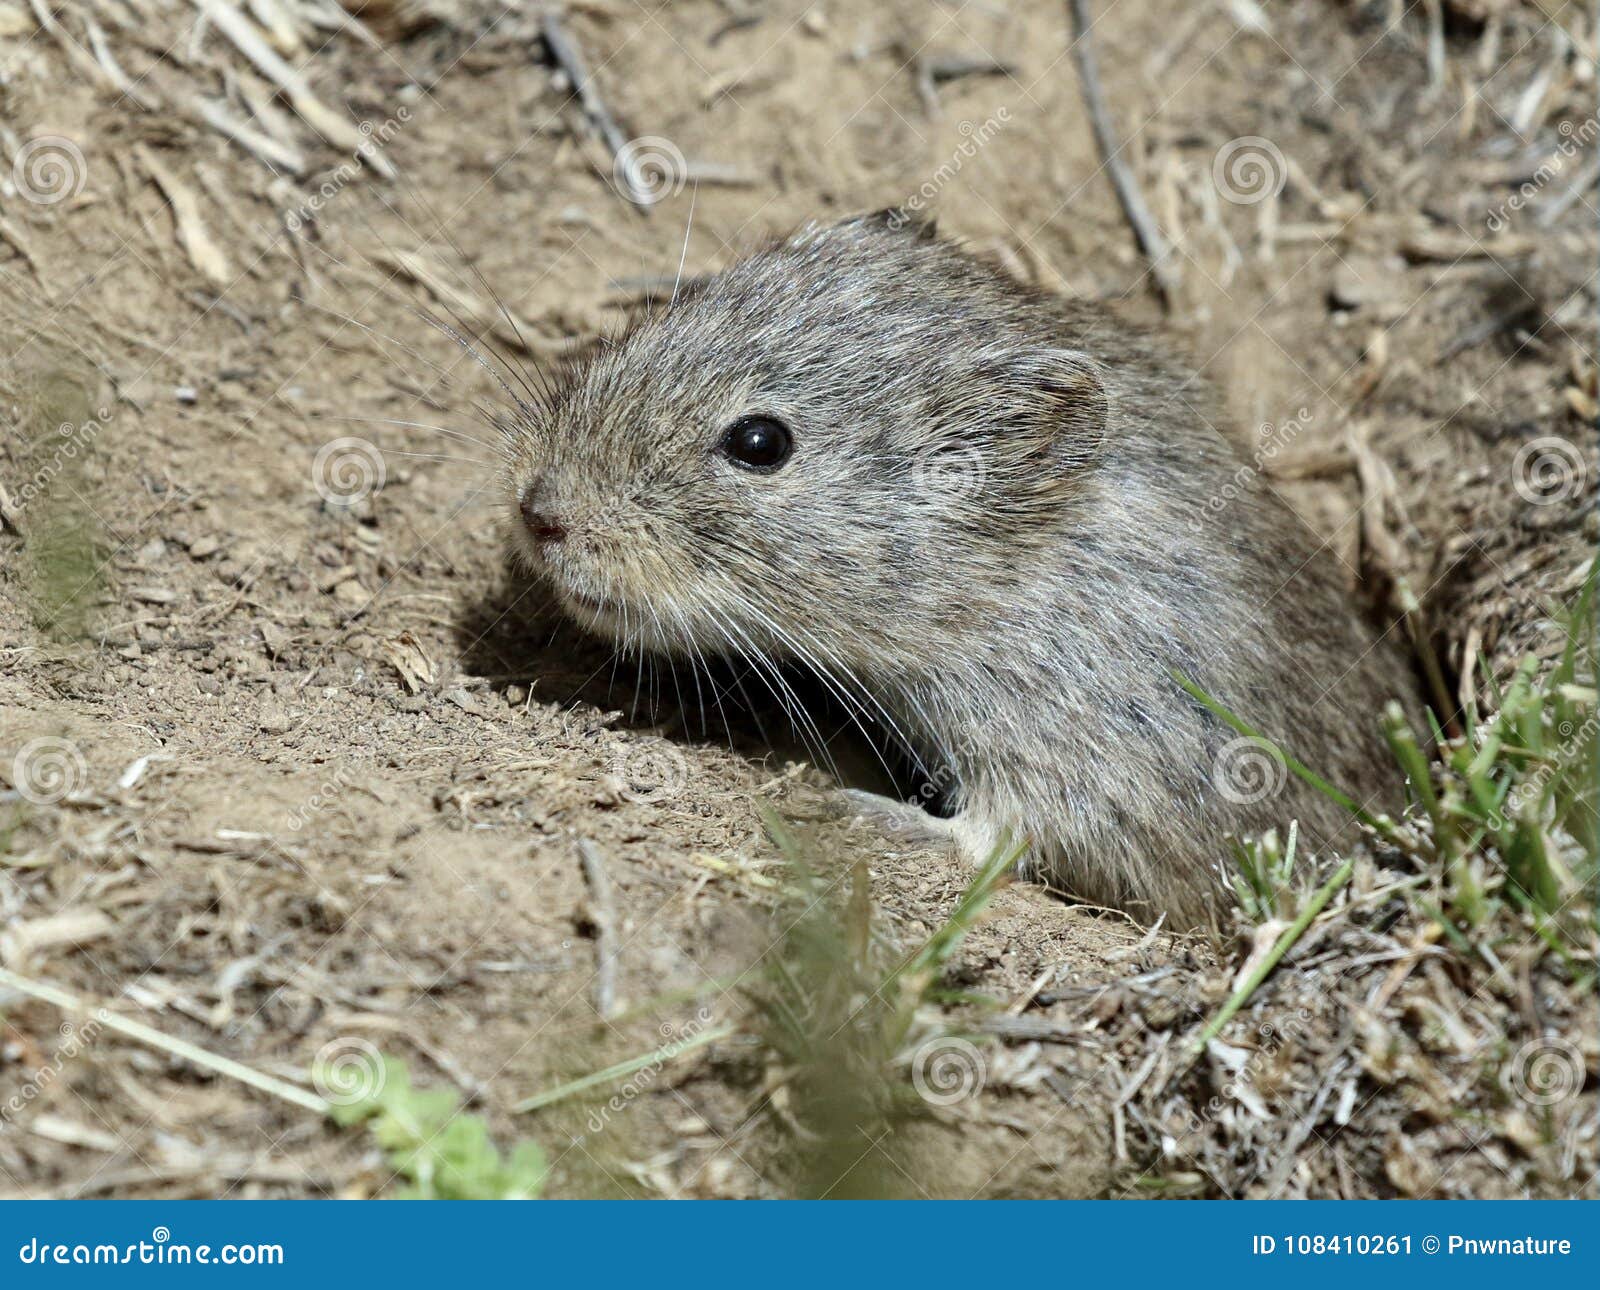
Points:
(351, 593)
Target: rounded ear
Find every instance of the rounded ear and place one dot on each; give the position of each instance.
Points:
(1056, 410)
(896, 219)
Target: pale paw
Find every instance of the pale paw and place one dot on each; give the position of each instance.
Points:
(905, 822)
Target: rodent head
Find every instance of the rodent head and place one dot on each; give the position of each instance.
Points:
(821, 450)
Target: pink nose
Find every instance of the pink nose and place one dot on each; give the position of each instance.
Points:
(544, 526)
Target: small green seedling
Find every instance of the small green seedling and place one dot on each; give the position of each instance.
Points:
(442, 1152)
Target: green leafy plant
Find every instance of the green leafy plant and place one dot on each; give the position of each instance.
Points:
(1508, 813)
(1264, 877)
(441, 1152)
(1513, 804)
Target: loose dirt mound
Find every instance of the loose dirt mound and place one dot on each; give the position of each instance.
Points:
(297, 768)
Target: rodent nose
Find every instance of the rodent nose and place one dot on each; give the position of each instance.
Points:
(544, 526)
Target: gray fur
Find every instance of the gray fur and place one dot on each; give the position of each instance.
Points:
(993, 531)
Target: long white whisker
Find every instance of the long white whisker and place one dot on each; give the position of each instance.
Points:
(855, 709)
(440, 456)
(460, 435)
(519, 371)
(694, 199)
(517, 404)
(804, 724)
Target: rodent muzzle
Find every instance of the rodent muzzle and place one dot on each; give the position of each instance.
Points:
(546, 528)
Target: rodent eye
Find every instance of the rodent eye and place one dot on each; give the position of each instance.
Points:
(758, 443)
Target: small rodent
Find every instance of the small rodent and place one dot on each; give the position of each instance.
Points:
(1000, 518)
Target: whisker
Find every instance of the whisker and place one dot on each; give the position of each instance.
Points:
(455, 333)
(519, 373)
(439, 456)
(459, 435)
(856, 710)
(804, 725)
(490, 418)
(694, 199)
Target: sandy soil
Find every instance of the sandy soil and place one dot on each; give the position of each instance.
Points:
(327, 764)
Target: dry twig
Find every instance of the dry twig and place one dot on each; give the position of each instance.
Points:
(603, 914)
(1145, 233)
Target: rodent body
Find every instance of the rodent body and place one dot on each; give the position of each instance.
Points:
(986, 513)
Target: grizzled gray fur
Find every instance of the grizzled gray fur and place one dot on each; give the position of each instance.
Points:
(995, 531)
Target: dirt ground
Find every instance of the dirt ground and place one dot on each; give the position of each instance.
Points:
(326, 774)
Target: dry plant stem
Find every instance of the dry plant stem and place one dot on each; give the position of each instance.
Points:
(69, 1002)
(1145, 232)
(564, 49)
(10, 515)
(246, 136)
(75, 52)
(1422, 646)
(332, 127)
(128, 88)
(623, 1069)
(1284, 943)
(603, 913)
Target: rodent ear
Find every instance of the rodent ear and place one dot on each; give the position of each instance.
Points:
(897, 219)
(1058, 406)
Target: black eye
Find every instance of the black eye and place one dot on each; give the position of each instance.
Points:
(758, 443)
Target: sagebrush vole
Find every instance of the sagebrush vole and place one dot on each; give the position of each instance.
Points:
(999, 519)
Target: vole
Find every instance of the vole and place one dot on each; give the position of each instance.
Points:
(1001, 520)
